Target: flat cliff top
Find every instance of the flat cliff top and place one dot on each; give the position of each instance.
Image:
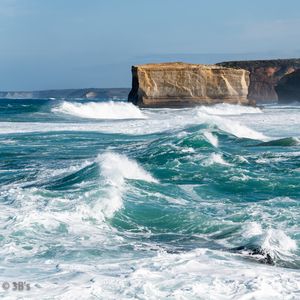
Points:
(177, 65)
(261, 63)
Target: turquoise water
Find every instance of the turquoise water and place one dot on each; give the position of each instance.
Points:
(102, 200)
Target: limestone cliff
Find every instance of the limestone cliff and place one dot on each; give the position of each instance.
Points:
(288, 88)
(180, 84)
(264, 76)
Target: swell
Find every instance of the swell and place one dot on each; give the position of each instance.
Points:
(199, 193)
(284, 142)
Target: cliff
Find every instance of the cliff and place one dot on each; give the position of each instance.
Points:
(264, 76)
(288, 88)
(180, 84)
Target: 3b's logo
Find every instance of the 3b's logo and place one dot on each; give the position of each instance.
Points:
(16, 286)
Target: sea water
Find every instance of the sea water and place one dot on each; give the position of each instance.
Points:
(103, 200)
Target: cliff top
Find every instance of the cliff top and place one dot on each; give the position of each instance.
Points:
(261, 63)
(176, 65)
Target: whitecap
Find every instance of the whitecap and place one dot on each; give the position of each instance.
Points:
(103, 110)
(115, 168)
(272, 242)
(229, 109)
(240, 177)
(216, 158)
(212, 139)
(232, 127)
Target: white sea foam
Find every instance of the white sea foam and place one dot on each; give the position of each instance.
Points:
(98, 110)
(211, 138)
(229, 109)
(115, 168)
(154, 121)
(273, 242)
(199, 274)
(231, 126)
(65, 228)
(241, 159)
(252, 229)
(240, 177)
(278, 244)
(216, 158)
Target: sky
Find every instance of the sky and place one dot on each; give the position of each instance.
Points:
(55, 44)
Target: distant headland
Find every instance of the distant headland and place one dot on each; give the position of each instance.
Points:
(88, 93)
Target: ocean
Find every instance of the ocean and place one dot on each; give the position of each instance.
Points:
(103, 200)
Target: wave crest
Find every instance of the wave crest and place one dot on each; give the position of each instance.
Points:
(115, 168)
(232, 127)
(104, 110)
(272, 244)
(229, 109)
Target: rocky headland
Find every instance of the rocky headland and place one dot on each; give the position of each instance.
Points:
(288, 88)
(180, 84)
(264, 76)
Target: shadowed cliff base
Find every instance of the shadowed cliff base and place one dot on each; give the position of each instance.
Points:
(288, 88)
(265, 75)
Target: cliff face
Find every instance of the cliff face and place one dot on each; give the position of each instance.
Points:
(288, 88)
(179, 84)
(264, 76)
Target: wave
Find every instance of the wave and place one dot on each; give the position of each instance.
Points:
(285, 142)
(104, 110)
(211, 138)
(216, 158)
(232, 127)
(115, 168)
(229, 109)
(199, 274)
(271, 246)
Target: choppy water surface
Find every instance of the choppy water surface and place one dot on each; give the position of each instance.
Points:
(102, 200)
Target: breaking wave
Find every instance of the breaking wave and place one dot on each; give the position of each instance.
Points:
(216, 158)
(115, 168)
(96, 110)
(211, 138)
(270, 246)
(229, 109)
(232, 127)
(80, 198)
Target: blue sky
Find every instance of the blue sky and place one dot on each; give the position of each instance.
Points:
(75, 43)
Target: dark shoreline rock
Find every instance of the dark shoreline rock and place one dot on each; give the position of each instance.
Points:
(264, 76)
(288, 88)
